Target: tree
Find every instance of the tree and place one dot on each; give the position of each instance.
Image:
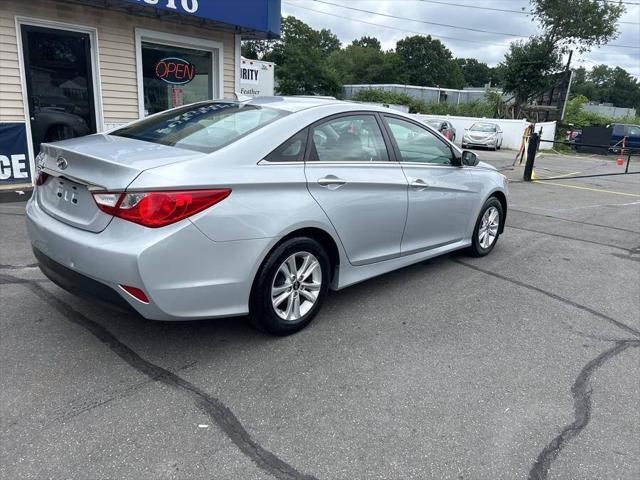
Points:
(577, 24)
(425, 61)
(476, 74)
(300, 56)
(526, 69)
(566, 25)
(358, 64)
(607, 84)
(368, 42)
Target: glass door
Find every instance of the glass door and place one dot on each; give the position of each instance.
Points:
(59, 81)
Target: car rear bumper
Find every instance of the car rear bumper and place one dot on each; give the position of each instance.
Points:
(184, 274)
(80, 284)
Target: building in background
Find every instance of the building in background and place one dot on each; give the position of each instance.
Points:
(426, 94)
(75, 67)
(608, 110)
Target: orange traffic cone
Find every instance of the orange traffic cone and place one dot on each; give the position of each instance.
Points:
(620, 160)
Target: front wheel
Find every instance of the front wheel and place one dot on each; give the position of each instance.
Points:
(488, 227)
(290, 287)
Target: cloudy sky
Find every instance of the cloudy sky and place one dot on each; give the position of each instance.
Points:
(377, 20)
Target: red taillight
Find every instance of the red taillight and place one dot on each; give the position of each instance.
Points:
(135, 293)
(41, 178)
(158, 209)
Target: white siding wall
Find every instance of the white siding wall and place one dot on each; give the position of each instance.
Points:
(116, 45)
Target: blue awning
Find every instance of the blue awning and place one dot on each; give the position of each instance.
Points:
(259, 18)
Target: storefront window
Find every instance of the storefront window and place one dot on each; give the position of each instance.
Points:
(174, 76)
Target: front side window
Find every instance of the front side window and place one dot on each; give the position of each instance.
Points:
(204, 127)
(175, 76)
(353, 138)
(417, 144)
(633, 131)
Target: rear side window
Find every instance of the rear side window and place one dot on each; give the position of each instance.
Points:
(202, 127)
(352, 138)
(292, 150)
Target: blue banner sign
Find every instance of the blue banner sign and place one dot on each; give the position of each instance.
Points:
(253, 15)
(14, 155)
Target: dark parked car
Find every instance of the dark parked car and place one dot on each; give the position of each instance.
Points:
(444, 127)
(56, 118)
(620, 131)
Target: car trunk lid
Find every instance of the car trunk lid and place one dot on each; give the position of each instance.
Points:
(81, 166)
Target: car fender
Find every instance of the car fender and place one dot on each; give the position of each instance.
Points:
(488, 181)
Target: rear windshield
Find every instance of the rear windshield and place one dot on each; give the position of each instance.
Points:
(483, 127)
(201, 127)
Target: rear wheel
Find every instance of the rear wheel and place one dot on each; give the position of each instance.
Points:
(290, 287)
(487, 229)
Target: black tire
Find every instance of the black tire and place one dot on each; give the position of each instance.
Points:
(476, 249)
(263, 315)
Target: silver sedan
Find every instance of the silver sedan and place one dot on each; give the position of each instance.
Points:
(483, 134)
(228, 208)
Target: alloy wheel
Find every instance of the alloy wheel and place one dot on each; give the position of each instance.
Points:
(296, 286)
(488, 230)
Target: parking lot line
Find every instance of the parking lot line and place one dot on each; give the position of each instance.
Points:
(613, 192)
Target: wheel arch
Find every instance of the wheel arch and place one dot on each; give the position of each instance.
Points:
(328, 242)
(502, 198)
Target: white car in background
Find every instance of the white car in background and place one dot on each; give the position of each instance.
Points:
(483, 134)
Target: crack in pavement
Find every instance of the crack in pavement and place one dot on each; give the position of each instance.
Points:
(580, 222)
(17, 267)
(581, 392)
(579, 306)
(213, 407)
(581, 389)
(567, 237)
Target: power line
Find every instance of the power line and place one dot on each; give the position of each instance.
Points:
(419, 21)
(394, 28)
(493, 9)
(440, 24)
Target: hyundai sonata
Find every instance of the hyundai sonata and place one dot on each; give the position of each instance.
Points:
(227, 208)
(483, 134)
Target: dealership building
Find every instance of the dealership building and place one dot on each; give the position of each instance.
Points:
(75, 67)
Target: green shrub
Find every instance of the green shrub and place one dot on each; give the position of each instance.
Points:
(476, 108)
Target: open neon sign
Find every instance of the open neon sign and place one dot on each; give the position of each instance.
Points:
(175, 71)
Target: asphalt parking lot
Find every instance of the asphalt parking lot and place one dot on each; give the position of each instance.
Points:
(523, 364)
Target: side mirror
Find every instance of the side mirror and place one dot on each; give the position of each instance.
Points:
(469, 158)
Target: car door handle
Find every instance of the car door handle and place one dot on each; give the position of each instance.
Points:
(331, 181)
(418, 184)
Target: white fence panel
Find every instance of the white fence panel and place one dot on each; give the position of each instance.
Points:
(512, 130)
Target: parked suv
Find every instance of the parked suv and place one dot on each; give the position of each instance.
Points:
(620, 131)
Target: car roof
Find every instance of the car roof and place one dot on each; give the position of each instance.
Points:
(293, 103)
